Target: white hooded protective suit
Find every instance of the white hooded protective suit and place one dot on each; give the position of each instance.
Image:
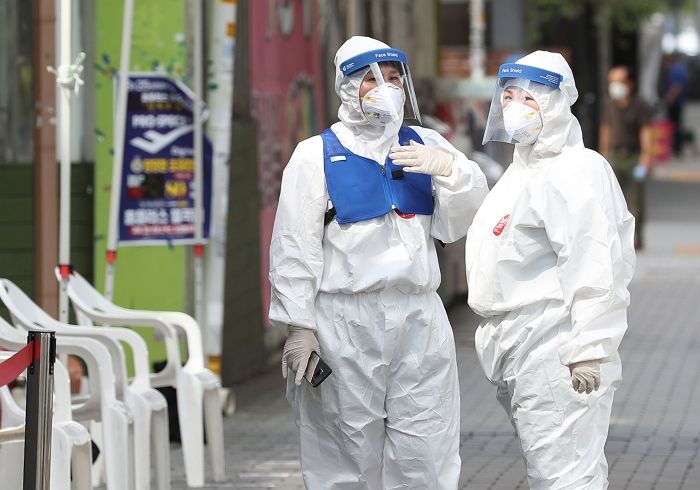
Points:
(549, 257)
(388, 415)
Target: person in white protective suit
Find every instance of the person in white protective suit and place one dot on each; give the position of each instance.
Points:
(549, 257)
(354, 276)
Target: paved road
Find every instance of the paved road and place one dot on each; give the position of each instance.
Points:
(654, 440)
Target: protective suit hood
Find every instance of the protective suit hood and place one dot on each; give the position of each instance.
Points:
(348, 89)
(561, 130)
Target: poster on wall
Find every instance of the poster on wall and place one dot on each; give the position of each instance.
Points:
(286, 99)
(157, 189)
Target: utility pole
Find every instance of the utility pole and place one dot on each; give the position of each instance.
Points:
(45, 169)
(477, 57)
(242, 339)
(604, 48)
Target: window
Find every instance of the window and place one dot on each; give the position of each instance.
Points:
(16, 82)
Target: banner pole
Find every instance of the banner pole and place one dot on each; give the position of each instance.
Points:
(117, 162)
(198, 167)
(66, 84)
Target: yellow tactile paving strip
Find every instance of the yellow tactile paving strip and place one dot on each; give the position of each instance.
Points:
(677, 174)
(687, 250)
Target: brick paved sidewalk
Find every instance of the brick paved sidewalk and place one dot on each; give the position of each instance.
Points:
(654, 440)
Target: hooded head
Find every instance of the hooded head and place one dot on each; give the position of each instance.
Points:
(560, 128)
(348, 89)
(532, 107)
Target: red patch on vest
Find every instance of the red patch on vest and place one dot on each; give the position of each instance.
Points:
(405, 215)
(498, 229)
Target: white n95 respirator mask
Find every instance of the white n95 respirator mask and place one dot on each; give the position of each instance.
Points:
(522, 123)
(618, 90)
(383, 104)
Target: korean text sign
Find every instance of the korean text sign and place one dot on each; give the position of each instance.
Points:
(157, 189)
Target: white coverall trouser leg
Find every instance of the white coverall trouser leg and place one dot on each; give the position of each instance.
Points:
(388, 416)
(562, 433)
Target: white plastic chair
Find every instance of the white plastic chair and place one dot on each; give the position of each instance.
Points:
(11, 439)
(148, 406)
(102, 404)
(71, 451)
(70, 441)
(197, 387)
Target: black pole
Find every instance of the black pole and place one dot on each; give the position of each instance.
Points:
(37, 436)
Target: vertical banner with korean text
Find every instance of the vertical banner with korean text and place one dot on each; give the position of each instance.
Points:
(157, 188)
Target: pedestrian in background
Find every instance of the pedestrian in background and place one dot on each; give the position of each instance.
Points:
(549, 259)
(674, 95)
(625, 141)
(354, 275)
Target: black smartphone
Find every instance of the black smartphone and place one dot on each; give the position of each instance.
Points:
(317, 370)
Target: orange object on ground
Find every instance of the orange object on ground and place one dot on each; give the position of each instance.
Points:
(661, 141)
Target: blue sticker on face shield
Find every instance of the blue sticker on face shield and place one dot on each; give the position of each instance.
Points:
(545, 77)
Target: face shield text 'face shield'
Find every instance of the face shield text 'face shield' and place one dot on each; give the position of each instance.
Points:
(514, 115)
(373, 60)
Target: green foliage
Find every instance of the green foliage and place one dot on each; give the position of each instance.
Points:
(624, 15)
(566, 9)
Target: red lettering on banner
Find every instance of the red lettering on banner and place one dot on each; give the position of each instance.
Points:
(498, 229)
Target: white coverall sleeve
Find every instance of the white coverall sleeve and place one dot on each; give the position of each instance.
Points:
(457, 197)
(592, 265)
(296, 255)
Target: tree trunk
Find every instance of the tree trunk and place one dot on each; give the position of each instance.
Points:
(604, 48)
(45, 167)
(242, 343)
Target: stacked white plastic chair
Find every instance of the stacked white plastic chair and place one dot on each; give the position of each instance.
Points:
(197, 387)
(101, 405)
(71, 451)
(70, 442)
(146, 405)
(11, 437)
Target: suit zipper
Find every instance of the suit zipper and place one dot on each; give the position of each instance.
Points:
(387, 186)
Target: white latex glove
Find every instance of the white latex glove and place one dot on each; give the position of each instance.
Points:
(417, 158)
(585, 375)
(639, 172)
(301, 342)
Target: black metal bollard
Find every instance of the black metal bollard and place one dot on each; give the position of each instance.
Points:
(37, 437)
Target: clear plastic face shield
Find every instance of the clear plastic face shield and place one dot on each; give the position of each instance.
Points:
(514, 116)
(393, 98)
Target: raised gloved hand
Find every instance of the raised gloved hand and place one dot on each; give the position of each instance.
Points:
(585, 375)
(301, 342)
(417, 158)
